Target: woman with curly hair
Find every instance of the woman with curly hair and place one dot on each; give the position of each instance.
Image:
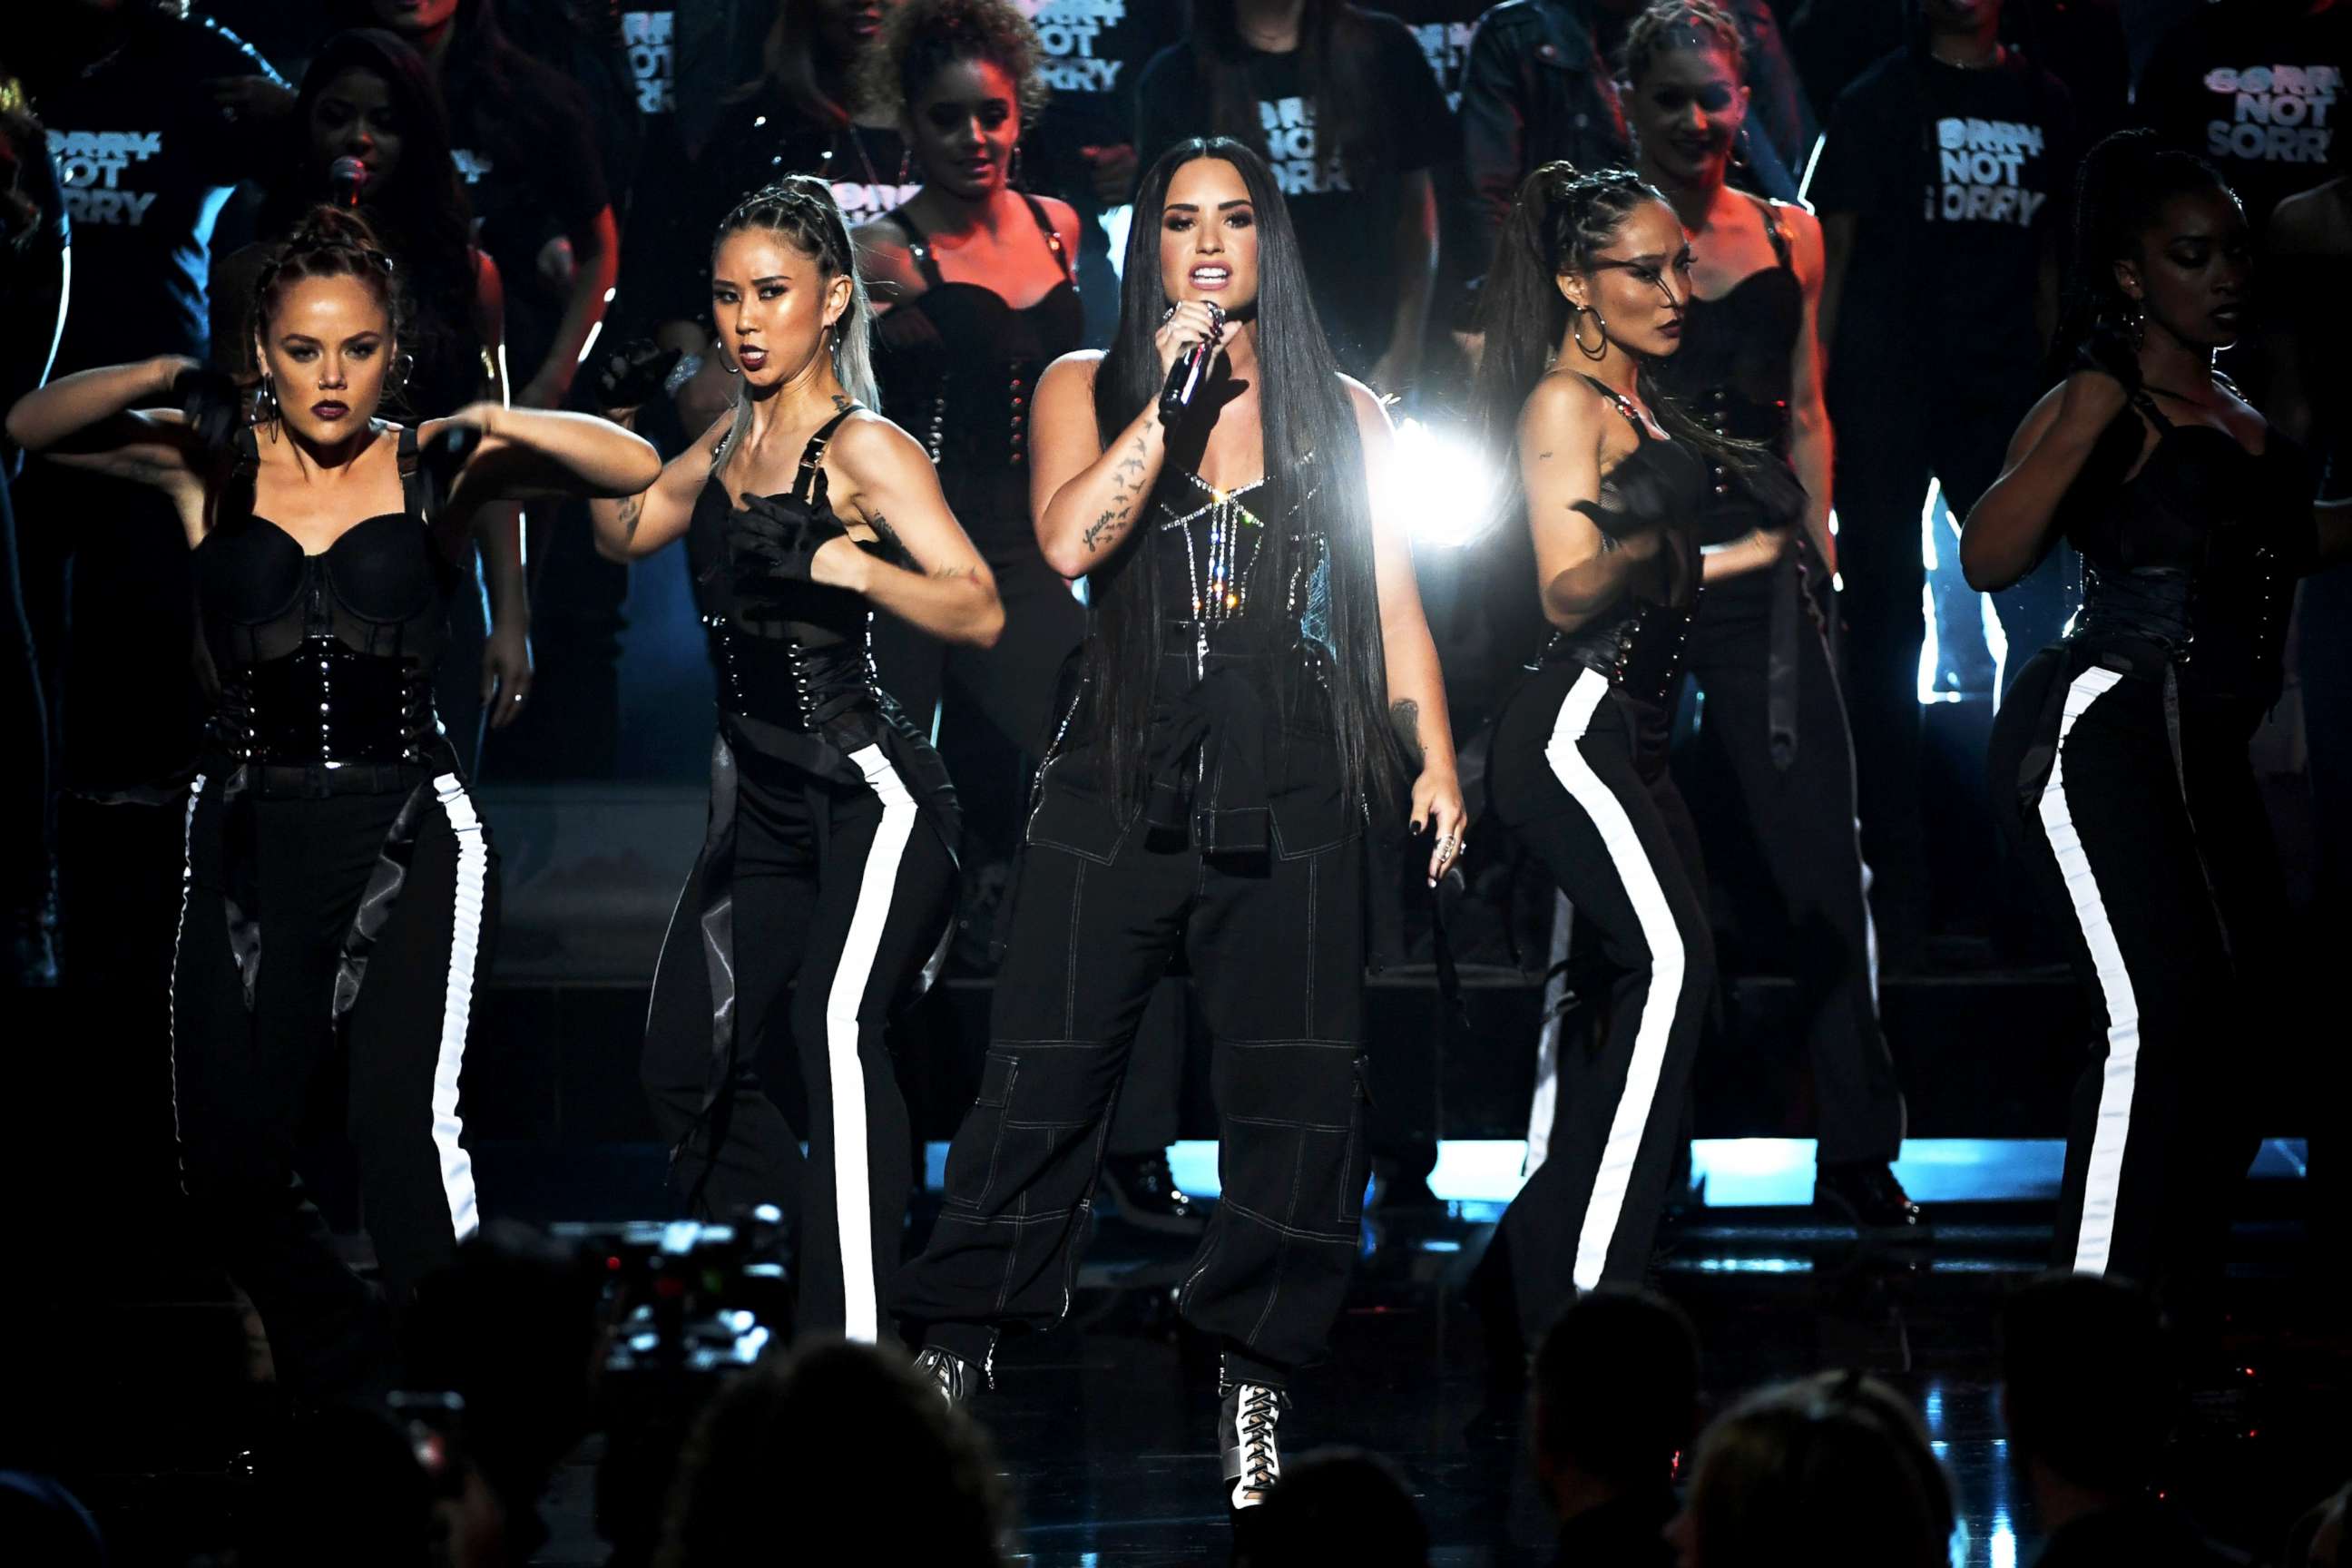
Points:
(975, 279)
(2119, 762)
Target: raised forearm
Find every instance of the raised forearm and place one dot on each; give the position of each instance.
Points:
(954, 604)
(1091, 515)
(595, 456)
(49, 415)
(583, 308)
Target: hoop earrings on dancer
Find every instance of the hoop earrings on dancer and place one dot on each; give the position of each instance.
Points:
(1576, 331)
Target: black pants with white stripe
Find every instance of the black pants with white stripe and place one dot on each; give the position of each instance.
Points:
(1797, 796)
(1276, 943)
(1579, 777)
(274, 894)
(2157, 857)
(840, 894)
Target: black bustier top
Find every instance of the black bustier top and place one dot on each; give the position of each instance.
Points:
(1734, 371)
(802, 671)
(1637, 643)
(2196, 555)
(326, 659)
(958, 365)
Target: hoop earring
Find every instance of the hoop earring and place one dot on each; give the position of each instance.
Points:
(265, 404)
(1013, 169)
(907, 166)
(1576, 332)
(2135, 323)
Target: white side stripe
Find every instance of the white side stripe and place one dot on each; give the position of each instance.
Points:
(179, 933)
(457, 1003)
(1668, 963)
(2104, 1176)
(853, 1202)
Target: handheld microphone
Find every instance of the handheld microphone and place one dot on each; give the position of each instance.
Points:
(348, 177)
(1192, 371)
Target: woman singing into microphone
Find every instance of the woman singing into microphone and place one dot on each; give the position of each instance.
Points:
(339, 890)
(1256, 632)
(829, 865)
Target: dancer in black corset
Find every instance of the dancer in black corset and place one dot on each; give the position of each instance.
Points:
(1749, 366)
(975, 278)
(1588, 294)
(1254, 621)
(829, 864)
(339, 891)
(2119, 759)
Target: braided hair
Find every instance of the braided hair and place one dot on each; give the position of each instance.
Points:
(802, 211)
(331, 242)
(1680, 24)
(2126, 181)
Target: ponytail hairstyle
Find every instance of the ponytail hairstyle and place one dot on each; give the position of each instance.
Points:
(1681, 24)
(2124, 181)
(331, 242)
(1561, 221)
(801, 209)
(1312, 448)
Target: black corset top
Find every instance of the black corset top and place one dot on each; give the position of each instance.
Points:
(1738, 352)
(2196, 552)
(812, 664)
(325, 658)
(1658, 488)
(1248, 553)
(958, 365)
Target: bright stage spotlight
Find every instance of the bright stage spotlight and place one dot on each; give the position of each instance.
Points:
(1442, 488)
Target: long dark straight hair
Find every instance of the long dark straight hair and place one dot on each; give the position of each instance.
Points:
(1308, 421)
(1334, 61)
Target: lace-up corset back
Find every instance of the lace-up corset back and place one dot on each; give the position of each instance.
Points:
(2198, 550)
(328, 657)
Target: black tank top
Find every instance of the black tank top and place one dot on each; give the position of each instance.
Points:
(2195, 554)
(959, 373)
(325, 658)
(1638, 642)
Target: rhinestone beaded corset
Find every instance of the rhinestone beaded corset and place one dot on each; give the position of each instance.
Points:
(1210, 553)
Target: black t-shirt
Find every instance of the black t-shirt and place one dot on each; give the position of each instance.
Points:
(1957, 179)
(147, 160)
(2257, 88)
(1444, 29)
(532, 171)
(1095, 54)
(1346, 217)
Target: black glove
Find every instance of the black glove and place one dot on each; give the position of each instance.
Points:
(213, 403)
(770, 542)
(634, 375)
(442, 458)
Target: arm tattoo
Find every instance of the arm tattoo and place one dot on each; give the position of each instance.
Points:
(1404, 717)
(1127, 488)
(633, 511)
